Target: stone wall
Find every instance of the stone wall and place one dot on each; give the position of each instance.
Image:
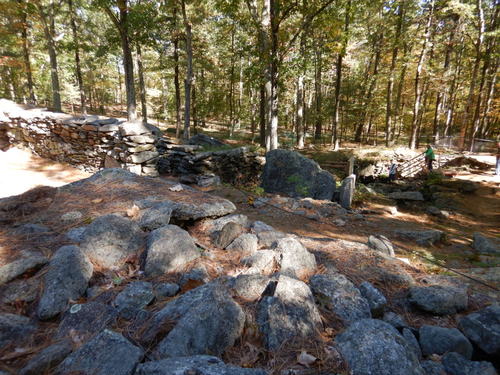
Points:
(86, 142)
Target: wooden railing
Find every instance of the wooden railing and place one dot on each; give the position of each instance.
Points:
(412, 166)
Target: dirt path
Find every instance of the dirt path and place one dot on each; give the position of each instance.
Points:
(20, 171)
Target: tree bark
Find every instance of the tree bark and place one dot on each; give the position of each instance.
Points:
(338, 82)
(78, 70)
(418, 77)
(390, 82)
(189, 72)
(49, 30)
(26, 53)
(317, 89)
(468, 113)
(142, 86)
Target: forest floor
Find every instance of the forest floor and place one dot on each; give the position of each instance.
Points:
(479, 212)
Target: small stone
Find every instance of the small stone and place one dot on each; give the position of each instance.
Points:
(407, 195)
(20, 291)
(228, 234)
(294, 259)
(245, 243)
(169, 248)
(440, 340)
(72, 216)
(288, 313)
(76, 234)
(422, 237)
(249, 287)
(47, 359)
(269, 238)
(372, 347)
(439, 300)
(194, 365)
(259, 226)
(433, 368)
(15, 329)
(485, 245)
(107, 353)
(483, 329)
(199, 274)
(111, 239)
(261, 262)
(86, 319)
(395, 320)
(455, 364)
(164, 290)
(135, 296)
(26, 261)
(412, 341)
(156, 216)
(375, 298)
(382, 244)
(339, 295)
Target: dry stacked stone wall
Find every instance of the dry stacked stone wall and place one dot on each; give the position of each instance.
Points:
(87, 142)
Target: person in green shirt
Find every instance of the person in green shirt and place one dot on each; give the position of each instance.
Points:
(429, 157)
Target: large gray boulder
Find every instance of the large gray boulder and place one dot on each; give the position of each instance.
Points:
(15, 329)
(228, 234)
(249, 287)
(422, 237)
(169, 248)
(485, 245)
(269, 238)
(216, 225)
(198, 364)
(339, 295)
(66, 279)
(455, 364)
(109, 240)
(184, 211)
(440, 340)
(47, 359)
(207, 328)
(376, 300)
(290, 173)
(135, 296)
(261, 262)
(26, 261)
(294, 259)
(483, 329)
(156, 216)
(287, 313)
(438, 299)
(107, 353)
(373, 347)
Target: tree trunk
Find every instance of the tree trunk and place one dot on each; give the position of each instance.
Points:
(78, 71)
(468, 113)
(231, 86)
(142, 86)
(26, 53)
(189, 71)
(338, 83)
(176, 75)
(271, 9)
(317, 89)
(418, 77)
(49, 30)
(300, 111)
(390, 82)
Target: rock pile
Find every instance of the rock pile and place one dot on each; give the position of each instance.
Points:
(234, 166)
(181, 280)
(89, 142)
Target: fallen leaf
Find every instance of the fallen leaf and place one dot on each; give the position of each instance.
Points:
(306, 359)
(97, 200)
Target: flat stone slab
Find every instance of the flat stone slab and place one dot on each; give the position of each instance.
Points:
(439, 300)
(483, 328)
(196, 365)
(26, 261)
(407, 196)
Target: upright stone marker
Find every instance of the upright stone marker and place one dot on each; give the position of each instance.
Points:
(347, 191)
